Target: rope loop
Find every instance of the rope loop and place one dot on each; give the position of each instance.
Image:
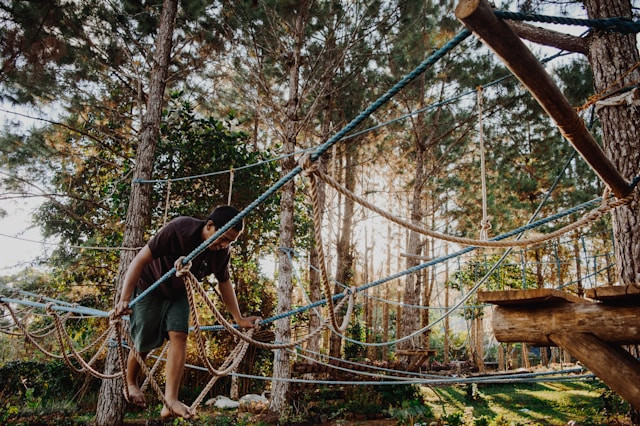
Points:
(181, 268)
(308, 166)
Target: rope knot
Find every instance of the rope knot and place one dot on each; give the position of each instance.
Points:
(308, 166)
(182, 269)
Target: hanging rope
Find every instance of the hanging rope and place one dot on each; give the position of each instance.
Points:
(166, 202)
(607, 204)
(231, 174)
(192, 284)
(485, 224)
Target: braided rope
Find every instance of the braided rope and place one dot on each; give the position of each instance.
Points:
(607, 204)
(63, 337)
(485, 224)
(117, 325)
(190, 280)
(309, 168)
(421, 68)
(615, 24)
(146, 372)
(236, 354)
(156, 364)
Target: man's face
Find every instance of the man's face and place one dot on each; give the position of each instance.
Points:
(223, 241)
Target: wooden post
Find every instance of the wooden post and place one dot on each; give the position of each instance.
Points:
(478, 16)
(599, 357)
(533, 324)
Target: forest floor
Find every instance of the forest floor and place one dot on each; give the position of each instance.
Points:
(552, 403)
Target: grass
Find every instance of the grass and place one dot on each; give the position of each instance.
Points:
(554, 403)
(551, 403)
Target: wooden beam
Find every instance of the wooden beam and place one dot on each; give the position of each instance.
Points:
(528, 297)
(615, 293)
(534, 324)
(615, 366)
(478, 16)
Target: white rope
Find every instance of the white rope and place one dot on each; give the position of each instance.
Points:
(485, 225)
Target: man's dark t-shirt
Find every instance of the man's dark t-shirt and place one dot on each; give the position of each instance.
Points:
(179, 238)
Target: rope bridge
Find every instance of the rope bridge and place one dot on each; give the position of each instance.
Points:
(307, 166)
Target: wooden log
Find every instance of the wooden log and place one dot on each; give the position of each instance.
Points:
(533, 324)
(478, 16)
(599, 357)
(528, 297)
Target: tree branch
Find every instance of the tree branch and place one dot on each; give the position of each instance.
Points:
(549, 37)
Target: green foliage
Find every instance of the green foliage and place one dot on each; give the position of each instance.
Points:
(410, 413)
(454, 419)
(355, 331)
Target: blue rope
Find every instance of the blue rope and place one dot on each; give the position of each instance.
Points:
(320, 150)
(75, 309)
(532, 225)
(615, 24)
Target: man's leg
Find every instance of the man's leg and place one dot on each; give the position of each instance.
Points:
(175, 365)
(133, 371)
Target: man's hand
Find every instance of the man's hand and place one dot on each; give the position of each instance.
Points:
(249, 322)
(122, 308)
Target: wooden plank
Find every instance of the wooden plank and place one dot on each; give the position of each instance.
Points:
(615, 294)
(599, 357)
(528, 297)
(534, 324)
(495, 33)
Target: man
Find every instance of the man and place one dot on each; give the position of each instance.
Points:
(164, 312)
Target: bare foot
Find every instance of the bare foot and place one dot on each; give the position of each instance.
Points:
(178, 409)
(136, 396)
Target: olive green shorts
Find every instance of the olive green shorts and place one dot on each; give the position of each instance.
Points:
(152, 318)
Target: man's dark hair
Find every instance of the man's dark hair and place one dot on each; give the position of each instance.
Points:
(221, 215)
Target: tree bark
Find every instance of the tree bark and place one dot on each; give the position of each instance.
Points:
(281, 365)
(611, 56)
(110, 408)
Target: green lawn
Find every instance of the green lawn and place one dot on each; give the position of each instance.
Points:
(553, 403)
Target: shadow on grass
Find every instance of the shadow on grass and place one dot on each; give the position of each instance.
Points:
(532, 403)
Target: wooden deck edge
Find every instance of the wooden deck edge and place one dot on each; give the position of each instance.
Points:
(528, 297)
(614, 293)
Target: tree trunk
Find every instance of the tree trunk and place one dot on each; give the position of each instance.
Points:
(344, 262)
(281, 365)
(611, 55)
(110, 407)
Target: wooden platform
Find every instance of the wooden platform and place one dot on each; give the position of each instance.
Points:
(615, 294)
(527, 297)
(592, 329)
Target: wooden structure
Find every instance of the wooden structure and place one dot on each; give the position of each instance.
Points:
(417, 357)
(478, 17)
(591, 330)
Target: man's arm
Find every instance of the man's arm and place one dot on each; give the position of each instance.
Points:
(131, 278)
(229, 298)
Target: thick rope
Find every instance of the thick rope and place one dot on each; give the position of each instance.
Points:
(615, 24)
(607, 204)
(485, 224)
(424, 65)
(86, 367)
(166, 203)
(156, 364)
(190, 280)
(236, 354)
(308, 168)
(231, 175)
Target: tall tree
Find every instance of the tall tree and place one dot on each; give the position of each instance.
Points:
(110, 408)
